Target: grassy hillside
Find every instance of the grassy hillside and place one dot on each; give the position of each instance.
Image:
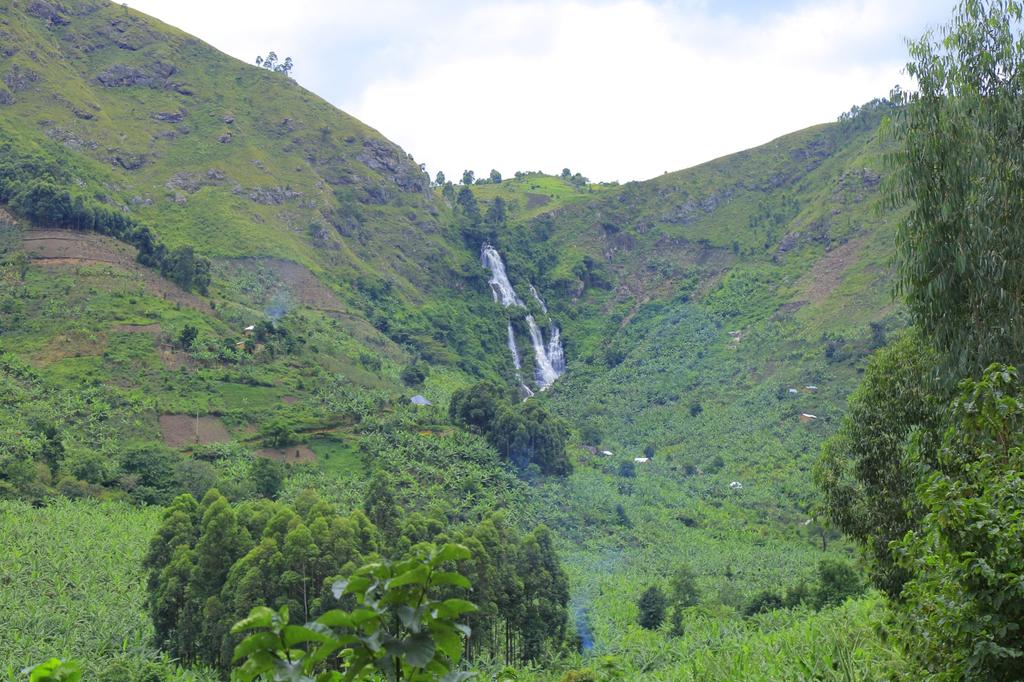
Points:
(718, 318)
(239, 163)
(715, 318)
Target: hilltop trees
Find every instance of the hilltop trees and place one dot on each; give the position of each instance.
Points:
(271, 62)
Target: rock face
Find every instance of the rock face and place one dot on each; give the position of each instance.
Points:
(46, 11)
(269, 196)
(157, 76)
(19, 79)
(170, 116)
(388, 160)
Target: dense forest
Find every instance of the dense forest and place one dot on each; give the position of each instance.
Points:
(276, 406)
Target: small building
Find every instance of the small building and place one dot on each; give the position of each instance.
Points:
(641, 460)
(419, 400)
(793, 391)
(806, 418)
(811, 389)
(736, 485)
(607, 453)
(249, 330)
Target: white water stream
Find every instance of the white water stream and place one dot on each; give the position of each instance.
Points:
(550, 356)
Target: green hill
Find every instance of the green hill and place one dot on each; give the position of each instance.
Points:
(714, 319)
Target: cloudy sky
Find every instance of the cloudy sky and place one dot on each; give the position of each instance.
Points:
(616, 89)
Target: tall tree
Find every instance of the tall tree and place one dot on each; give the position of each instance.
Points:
(652, 608)
(959, 167)
(684, 595)
(866, 477)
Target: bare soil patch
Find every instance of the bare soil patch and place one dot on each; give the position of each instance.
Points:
(293, 284)
(78, 247)
(73, 344)
(534, 200)
(182, 430)
(292, 454)
(827, 273)
(175, 359)
(153, 329)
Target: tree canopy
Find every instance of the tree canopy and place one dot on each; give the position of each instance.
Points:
(959, 167)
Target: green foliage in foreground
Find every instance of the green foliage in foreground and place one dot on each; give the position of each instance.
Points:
(864, 473)
(951, 483)
(210, 564)
(402, 627)
(965, 604)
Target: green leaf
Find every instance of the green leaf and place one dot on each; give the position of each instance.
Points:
(297, 634)
(419, 649)
(417, 576)
(450, 552)
(360, 616)
(409, 616)
(453, 608)
(260, 641)
(448, 641)
(55, 670)
(336, 618)
(372, 642)
(354, 585)
(450, 578)
(259, 617)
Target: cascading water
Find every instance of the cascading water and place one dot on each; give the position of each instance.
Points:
(545, 373)
(501, 288)
(556, 354)
(516, 362)
(550, 357)
(538, 299)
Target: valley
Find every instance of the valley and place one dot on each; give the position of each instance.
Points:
(248, 345)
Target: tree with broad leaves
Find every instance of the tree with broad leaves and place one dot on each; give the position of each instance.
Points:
(402, 629)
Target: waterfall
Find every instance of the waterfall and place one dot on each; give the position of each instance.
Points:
(512, 347)
(549, 357)
(556, 354)
(539, 300)
(501, 288)
(545, 373)
(523, 388)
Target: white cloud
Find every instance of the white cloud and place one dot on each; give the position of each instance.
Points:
(617, 90)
